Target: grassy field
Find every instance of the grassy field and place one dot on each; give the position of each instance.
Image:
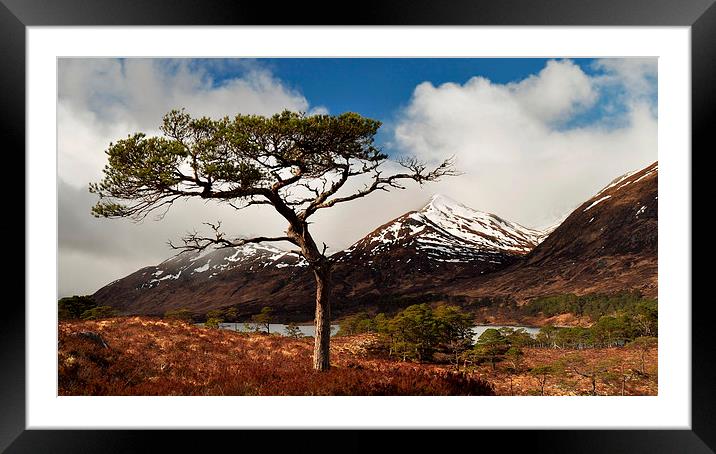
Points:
(145, 356)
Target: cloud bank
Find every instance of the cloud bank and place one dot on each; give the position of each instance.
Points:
(525, 153)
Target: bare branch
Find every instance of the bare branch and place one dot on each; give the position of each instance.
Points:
(195, 242)
(249, 203)
(418, 174)
(296, 172)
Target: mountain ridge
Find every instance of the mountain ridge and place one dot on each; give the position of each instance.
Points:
(444, 249)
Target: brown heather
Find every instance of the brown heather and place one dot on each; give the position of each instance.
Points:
(623, 367)
(147, 356)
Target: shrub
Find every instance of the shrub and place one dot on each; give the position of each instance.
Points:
(292, 330)
(180, 314)
(72, 307)
(212, 322)
(98, 312)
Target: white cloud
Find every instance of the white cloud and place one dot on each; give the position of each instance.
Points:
(636, 75)
(555, 93)
(521, 158)
(101, 100)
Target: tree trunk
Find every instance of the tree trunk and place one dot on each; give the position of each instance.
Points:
(321, 349)
(321, 267)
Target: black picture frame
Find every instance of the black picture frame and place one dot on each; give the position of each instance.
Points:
(16, 15)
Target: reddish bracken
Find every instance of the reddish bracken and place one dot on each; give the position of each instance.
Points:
(146, 356)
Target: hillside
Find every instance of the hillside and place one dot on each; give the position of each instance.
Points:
(607, 244)
(414, 253)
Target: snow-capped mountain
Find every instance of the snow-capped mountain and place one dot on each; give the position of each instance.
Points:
(205, 280)
(416, 250)
(447, 231)
(212, 262)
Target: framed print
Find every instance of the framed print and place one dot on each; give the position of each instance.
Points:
(483, 250)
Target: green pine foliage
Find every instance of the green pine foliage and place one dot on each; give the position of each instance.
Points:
(491, 345)
(362, 322)
(141, 171)
(641, 321)
(213, 323)
(180, 314)
(263, 319)
(72, 307)
(417, 332)
(593, 306)
(292, 330)
(98, 312)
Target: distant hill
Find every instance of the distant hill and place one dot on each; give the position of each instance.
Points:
(608, 244)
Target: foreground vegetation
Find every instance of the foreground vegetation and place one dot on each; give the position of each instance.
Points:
(149, 356)
(611, 371)
(145, 356)
(420, 350)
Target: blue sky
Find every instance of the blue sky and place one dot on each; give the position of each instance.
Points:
(380, 88)
(377, 87)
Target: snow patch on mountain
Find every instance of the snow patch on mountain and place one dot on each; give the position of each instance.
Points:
(625, 179)
(251, 256)
(447, 231)
(597, 202)
(482, 229)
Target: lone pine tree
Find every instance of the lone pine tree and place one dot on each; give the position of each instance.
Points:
(292, 162)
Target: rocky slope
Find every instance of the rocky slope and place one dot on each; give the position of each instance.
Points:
(206, 280)
(608, 244)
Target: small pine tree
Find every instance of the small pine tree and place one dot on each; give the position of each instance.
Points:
(292, 330)
(72, 307)
(491, 345)
(263, 319)
(213, 323)
(542, 372)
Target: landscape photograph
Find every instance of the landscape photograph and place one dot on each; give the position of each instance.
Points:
(357, 226)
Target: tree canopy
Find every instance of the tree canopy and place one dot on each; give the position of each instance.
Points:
(295, 162)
